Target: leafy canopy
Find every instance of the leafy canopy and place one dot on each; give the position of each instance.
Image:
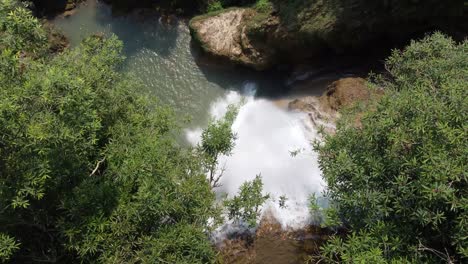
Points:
(217, 140)
(399, 180)
(89, 169)
(246, 205)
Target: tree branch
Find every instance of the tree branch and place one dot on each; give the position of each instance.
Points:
(97, 166)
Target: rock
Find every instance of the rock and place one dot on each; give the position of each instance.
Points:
(270, 226)
(70, 5)
(345, 92)
(319, 116)
(294, 32)
(306, 104)
(324, 110)
(57, 40)
(224, 35)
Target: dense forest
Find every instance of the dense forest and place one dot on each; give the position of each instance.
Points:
(91, 170)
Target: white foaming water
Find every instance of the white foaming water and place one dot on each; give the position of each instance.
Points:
(267, 137)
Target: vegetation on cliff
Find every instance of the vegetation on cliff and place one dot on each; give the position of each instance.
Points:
(398, 179)
(186, 7)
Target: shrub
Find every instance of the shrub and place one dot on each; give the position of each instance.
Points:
(399, 179)
(263, 6)
(246, 206)
(89, 167)
(214, 6)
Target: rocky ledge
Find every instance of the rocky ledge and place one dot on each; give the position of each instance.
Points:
(224, 35)
(324, 110)
(293, 32)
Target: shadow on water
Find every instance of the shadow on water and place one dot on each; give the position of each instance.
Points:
(160, 53)
(138, 30)
(268, 84)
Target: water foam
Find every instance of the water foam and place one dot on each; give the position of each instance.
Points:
(275, 143)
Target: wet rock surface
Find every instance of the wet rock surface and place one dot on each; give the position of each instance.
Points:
(343, 93)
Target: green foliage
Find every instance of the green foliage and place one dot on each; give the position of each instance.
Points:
(363, 247)
(401, 176)
(214, 6)
(89, 168)
(8, 246)
(263, 6)
(246, 206)
(19, 30)
(218, 139)
(182, 238)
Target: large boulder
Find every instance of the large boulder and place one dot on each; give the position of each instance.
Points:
(345, 92)
(223, 35)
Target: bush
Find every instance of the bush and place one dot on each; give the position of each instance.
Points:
(263, 6)
(214, 6)
(217, 140)
(399, 179)
(246, 206)
(89, 168)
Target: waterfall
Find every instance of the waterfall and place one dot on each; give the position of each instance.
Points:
(275, 143)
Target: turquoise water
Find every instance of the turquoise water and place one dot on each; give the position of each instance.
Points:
(161, 55)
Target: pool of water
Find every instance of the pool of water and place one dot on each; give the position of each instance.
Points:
(160, 53)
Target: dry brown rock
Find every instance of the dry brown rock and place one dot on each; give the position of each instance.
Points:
(345, 92)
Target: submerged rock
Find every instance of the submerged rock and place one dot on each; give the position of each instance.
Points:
(51, 8)
(318, 115)
(58, 42)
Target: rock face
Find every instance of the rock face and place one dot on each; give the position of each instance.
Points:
(293, 32)
(224, 35)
